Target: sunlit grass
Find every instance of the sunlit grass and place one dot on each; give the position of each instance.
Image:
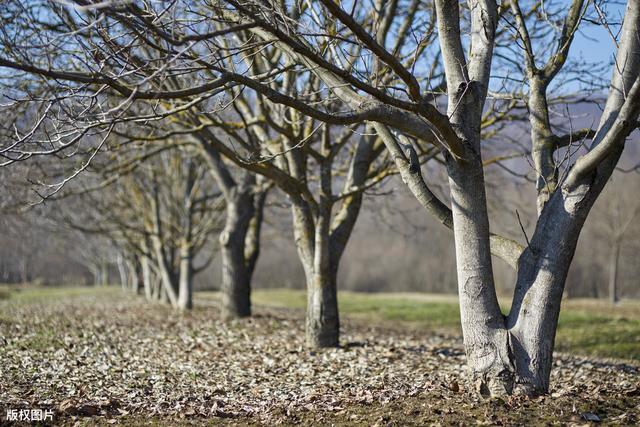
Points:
(40, 294)
(586, 327)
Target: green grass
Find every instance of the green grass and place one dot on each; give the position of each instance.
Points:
(431, 310)
(587, 327)
(41, 294)
(598, 335)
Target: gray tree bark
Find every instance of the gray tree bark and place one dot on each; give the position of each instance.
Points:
(313, 242)
(147, 281)
(321, 240)
(520, 354)
(122, 272)
(613, 271)
(240, 238)
(185, 281)
(236, 278)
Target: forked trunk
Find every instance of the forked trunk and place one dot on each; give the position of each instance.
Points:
(240, 238)
(169, 292)
(521, 355)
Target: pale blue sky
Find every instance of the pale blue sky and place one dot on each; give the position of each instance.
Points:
(594, 42)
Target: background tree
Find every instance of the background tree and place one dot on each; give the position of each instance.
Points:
(64, 117)
(158, 222)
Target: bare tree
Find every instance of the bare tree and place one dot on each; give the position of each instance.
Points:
(306, 160)
(59, 119)
(614, 222)
(244, 196)
(158, 222)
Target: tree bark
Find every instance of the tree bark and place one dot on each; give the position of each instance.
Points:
(147, 282)
(240, 238)
(543, 268)
(515, 354)
(613, 271)
(252, 239)
(167, 277)
(319, 250)
(322, 322)
(133, 275)
(122, 271)
(322, 319)
(483, 328)
(185, 282)
(543, 143)
(236, 278)
(104, 274)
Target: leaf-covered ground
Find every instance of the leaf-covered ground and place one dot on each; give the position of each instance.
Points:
(102, 357)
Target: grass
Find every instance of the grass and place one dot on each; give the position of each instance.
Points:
(586, 327)
(433, 311)
(42, 294)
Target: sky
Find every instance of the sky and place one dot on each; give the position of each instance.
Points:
(595, 42)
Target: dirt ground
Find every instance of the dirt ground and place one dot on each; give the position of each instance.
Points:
(115, 359)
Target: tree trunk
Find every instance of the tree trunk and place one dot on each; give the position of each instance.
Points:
(94, 271)
(147, 281)
(169, 292)
(613, 271)
(25, 276)
(236, 279)
(322, 321)
(122, 271)
(163, 293)
(185, 285)
(252, 239)
(158, 292)
(135, 279)
(543, 267)
(322, 318)
(104, 275)
(240, 238)
(515, 354)
(485, 338)
(314, 243)
(542, 274)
